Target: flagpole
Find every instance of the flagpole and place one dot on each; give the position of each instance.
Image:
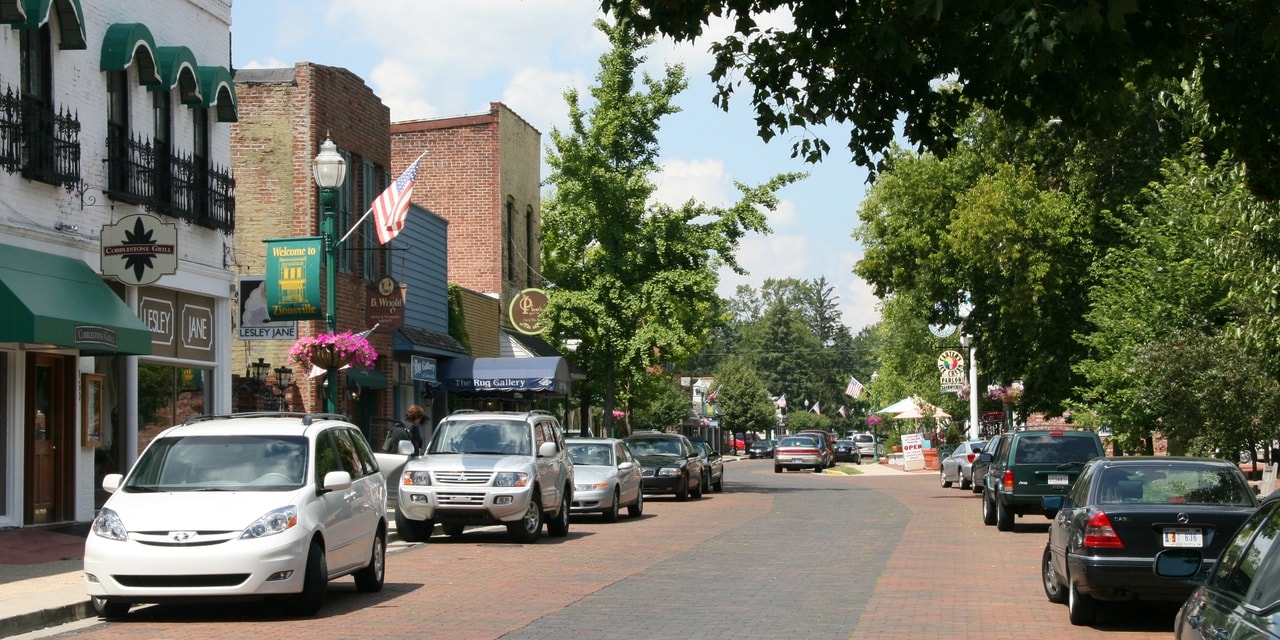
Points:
(370, 209)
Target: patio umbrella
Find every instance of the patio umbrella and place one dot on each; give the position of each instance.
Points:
(900, 406)
(922, 410)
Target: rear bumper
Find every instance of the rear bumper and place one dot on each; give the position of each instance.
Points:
(1125, 579)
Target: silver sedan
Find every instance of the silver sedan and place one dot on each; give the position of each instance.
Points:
(606, 478)
(958, 467)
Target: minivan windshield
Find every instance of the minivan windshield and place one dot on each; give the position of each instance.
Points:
(483, 437)
(221, 463)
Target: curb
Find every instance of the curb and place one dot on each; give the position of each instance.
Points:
(45, 618)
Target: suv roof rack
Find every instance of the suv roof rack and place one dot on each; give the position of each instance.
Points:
(457, 411)
(307, 418)
(539, 412)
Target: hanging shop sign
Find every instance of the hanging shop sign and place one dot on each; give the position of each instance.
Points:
(951, 367)
(293, 279)
(255, 323)
(526, 311)
(384, 304)
(139, 248)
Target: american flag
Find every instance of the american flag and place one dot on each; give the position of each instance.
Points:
(854, 388)
(392, 207)
(781, 402)
(841, 412)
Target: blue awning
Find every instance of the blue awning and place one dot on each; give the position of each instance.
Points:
(528, 375)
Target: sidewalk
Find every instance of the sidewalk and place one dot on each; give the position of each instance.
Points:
(41, 584)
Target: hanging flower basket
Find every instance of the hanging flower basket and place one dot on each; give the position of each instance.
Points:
(874, 421)
(333, 351)
(1007, 395)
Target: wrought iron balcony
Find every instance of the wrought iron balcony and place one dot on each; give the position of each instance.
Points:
(39, 140)
(178, 185)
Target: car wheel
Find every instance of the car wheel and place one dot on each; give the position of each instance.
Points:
(315, 582)
(988, 509)
(413, 530)
(976, 488)
(1004, 516)
(777, 469)
(965, 483)
(110, 609)
(1052, 585)
(718, 485)
(528, 528)
(682, 493)
(559, 527)
(696, 492)
(636, 510)
(611, 513)
(453, 529)
(370, 578)
(942, 479)
(1081, 609)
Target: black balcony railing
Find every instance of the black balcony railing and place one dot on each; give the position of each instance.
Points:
(39, 140)
(178, 185)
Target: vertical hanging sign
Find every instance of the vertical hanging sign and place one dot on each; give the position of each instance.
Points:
(293, 279)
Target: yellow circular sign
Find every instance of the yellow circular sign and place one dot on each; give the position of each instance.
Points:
(526, 311)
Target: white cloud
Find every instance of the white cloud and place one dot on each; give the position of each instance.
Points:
(267, 63)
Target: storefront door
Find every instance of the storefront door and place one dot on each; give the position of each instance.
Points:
(50, 436)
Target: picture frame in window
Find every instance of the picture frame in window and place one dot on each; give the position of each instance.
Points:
(92, 405)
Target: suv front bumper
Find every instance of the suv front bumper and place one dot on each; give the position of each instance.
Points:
(471, 506)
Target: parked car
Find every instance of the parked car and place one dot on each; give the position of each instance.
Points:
(606, 478)
(1240, 596)
(979, 466)
(1028, 465)
(799, 452)
(500, 467)
(1121, 512)
(761, 449)
(670, 462)
(712, 466)
(957, 468)
(828, 441)
(847, 451)
(241, 506)
(866, 444)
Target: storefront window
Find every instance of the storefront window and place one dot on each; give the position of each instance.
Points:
(168, 396)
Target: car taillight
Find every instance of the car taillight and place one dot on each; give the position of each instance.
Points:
(971, 457)
(1098, 533)
(1007, 480)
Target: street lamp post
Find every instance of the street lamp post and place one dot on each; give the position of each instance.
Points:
(966, 341)
(329, 170)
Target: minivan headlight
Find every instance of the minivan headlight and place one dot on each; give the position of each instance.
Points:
(108, 525)
(273, 522)
(510, 479)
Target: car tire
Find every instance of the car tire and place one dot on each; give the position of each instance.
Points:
(371, 578)
(413, 530)
(315, 583)
(718, 485)
(777, 469)
(988, 509)
(977, 486)
(110, 609)
(682, 494)
(1053, 588)
(558, 527)
(453, 529)
(527, 529)
(611, 513)
(1004, 516)
(696, 492)
(637, 509)
(942, 479)
(965, 484)
(1081, 609)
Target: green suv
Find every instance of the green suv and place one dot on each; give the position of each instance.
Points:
(1026, 466)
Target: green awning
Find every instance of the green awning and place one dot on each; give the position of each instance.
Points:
(127, 44)
(371, 379)
(178, 71)
(219, 91)
(54, 300)
(12, 12)
(70, 20)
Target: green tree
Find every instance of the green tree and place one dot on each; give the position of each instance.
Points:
(657, 403)
(873, 66)
(742, 400)
(633, 280)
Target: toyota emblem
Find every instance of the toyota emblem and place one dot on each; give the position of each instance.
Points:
(180, 536)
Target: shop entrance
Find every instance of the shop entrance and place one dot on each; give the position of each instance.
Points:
(49, 420)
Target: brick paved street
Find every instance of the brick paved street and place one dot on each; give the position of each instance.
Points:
(792, 555)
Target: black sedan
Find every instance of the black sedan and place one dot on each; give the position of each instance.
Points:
(1241, 597)
(712, 466)
(847, 451)
(670, 463)
(760, 449)
(1123, 511)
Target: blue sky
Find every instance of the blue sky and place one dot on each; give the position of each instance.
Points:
(449, 57)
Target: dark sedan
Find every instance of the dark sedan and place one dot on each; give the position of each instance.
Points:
(760, 449)
(847, 451)
(712, 467)
(1121, 512)
(670, 463)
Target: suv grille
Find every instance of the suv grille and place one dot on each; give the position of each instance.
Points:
(462, 477)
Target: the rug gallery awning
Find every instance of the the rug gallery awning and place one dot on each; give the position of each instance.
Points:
(526, 375)
(60, 301)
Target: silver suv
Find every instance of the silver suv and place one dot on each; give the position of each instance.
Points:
(484, 468)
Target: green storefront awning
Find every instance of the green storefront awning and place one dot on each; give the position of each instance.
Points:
(71, 32)
(371, 379)
(61, 301)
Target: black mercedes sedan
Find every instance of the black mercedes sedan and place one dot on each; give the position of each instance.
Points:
(1121, 512)
(670, 463)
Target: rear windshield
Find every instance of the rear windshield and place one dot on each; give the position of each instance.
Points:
(1174, 484)
(1054, 449)
(798, 442)
(865, 438)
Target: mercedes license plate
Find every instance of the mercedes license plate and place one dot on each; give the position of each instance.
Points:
(1057, 478)
(1183, 537)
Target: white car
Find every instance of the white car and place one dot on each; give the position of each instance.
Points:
(237, 506)
(606, 478)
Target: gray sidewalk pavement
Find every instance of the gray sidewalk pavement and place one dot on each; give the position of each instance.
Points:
(41, 584)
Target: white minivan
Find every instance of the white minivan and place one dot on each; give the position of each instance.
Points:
(241, 506)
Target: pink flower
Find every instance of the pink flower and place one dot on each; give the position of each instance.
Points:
(874, 421)
(334, 350)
